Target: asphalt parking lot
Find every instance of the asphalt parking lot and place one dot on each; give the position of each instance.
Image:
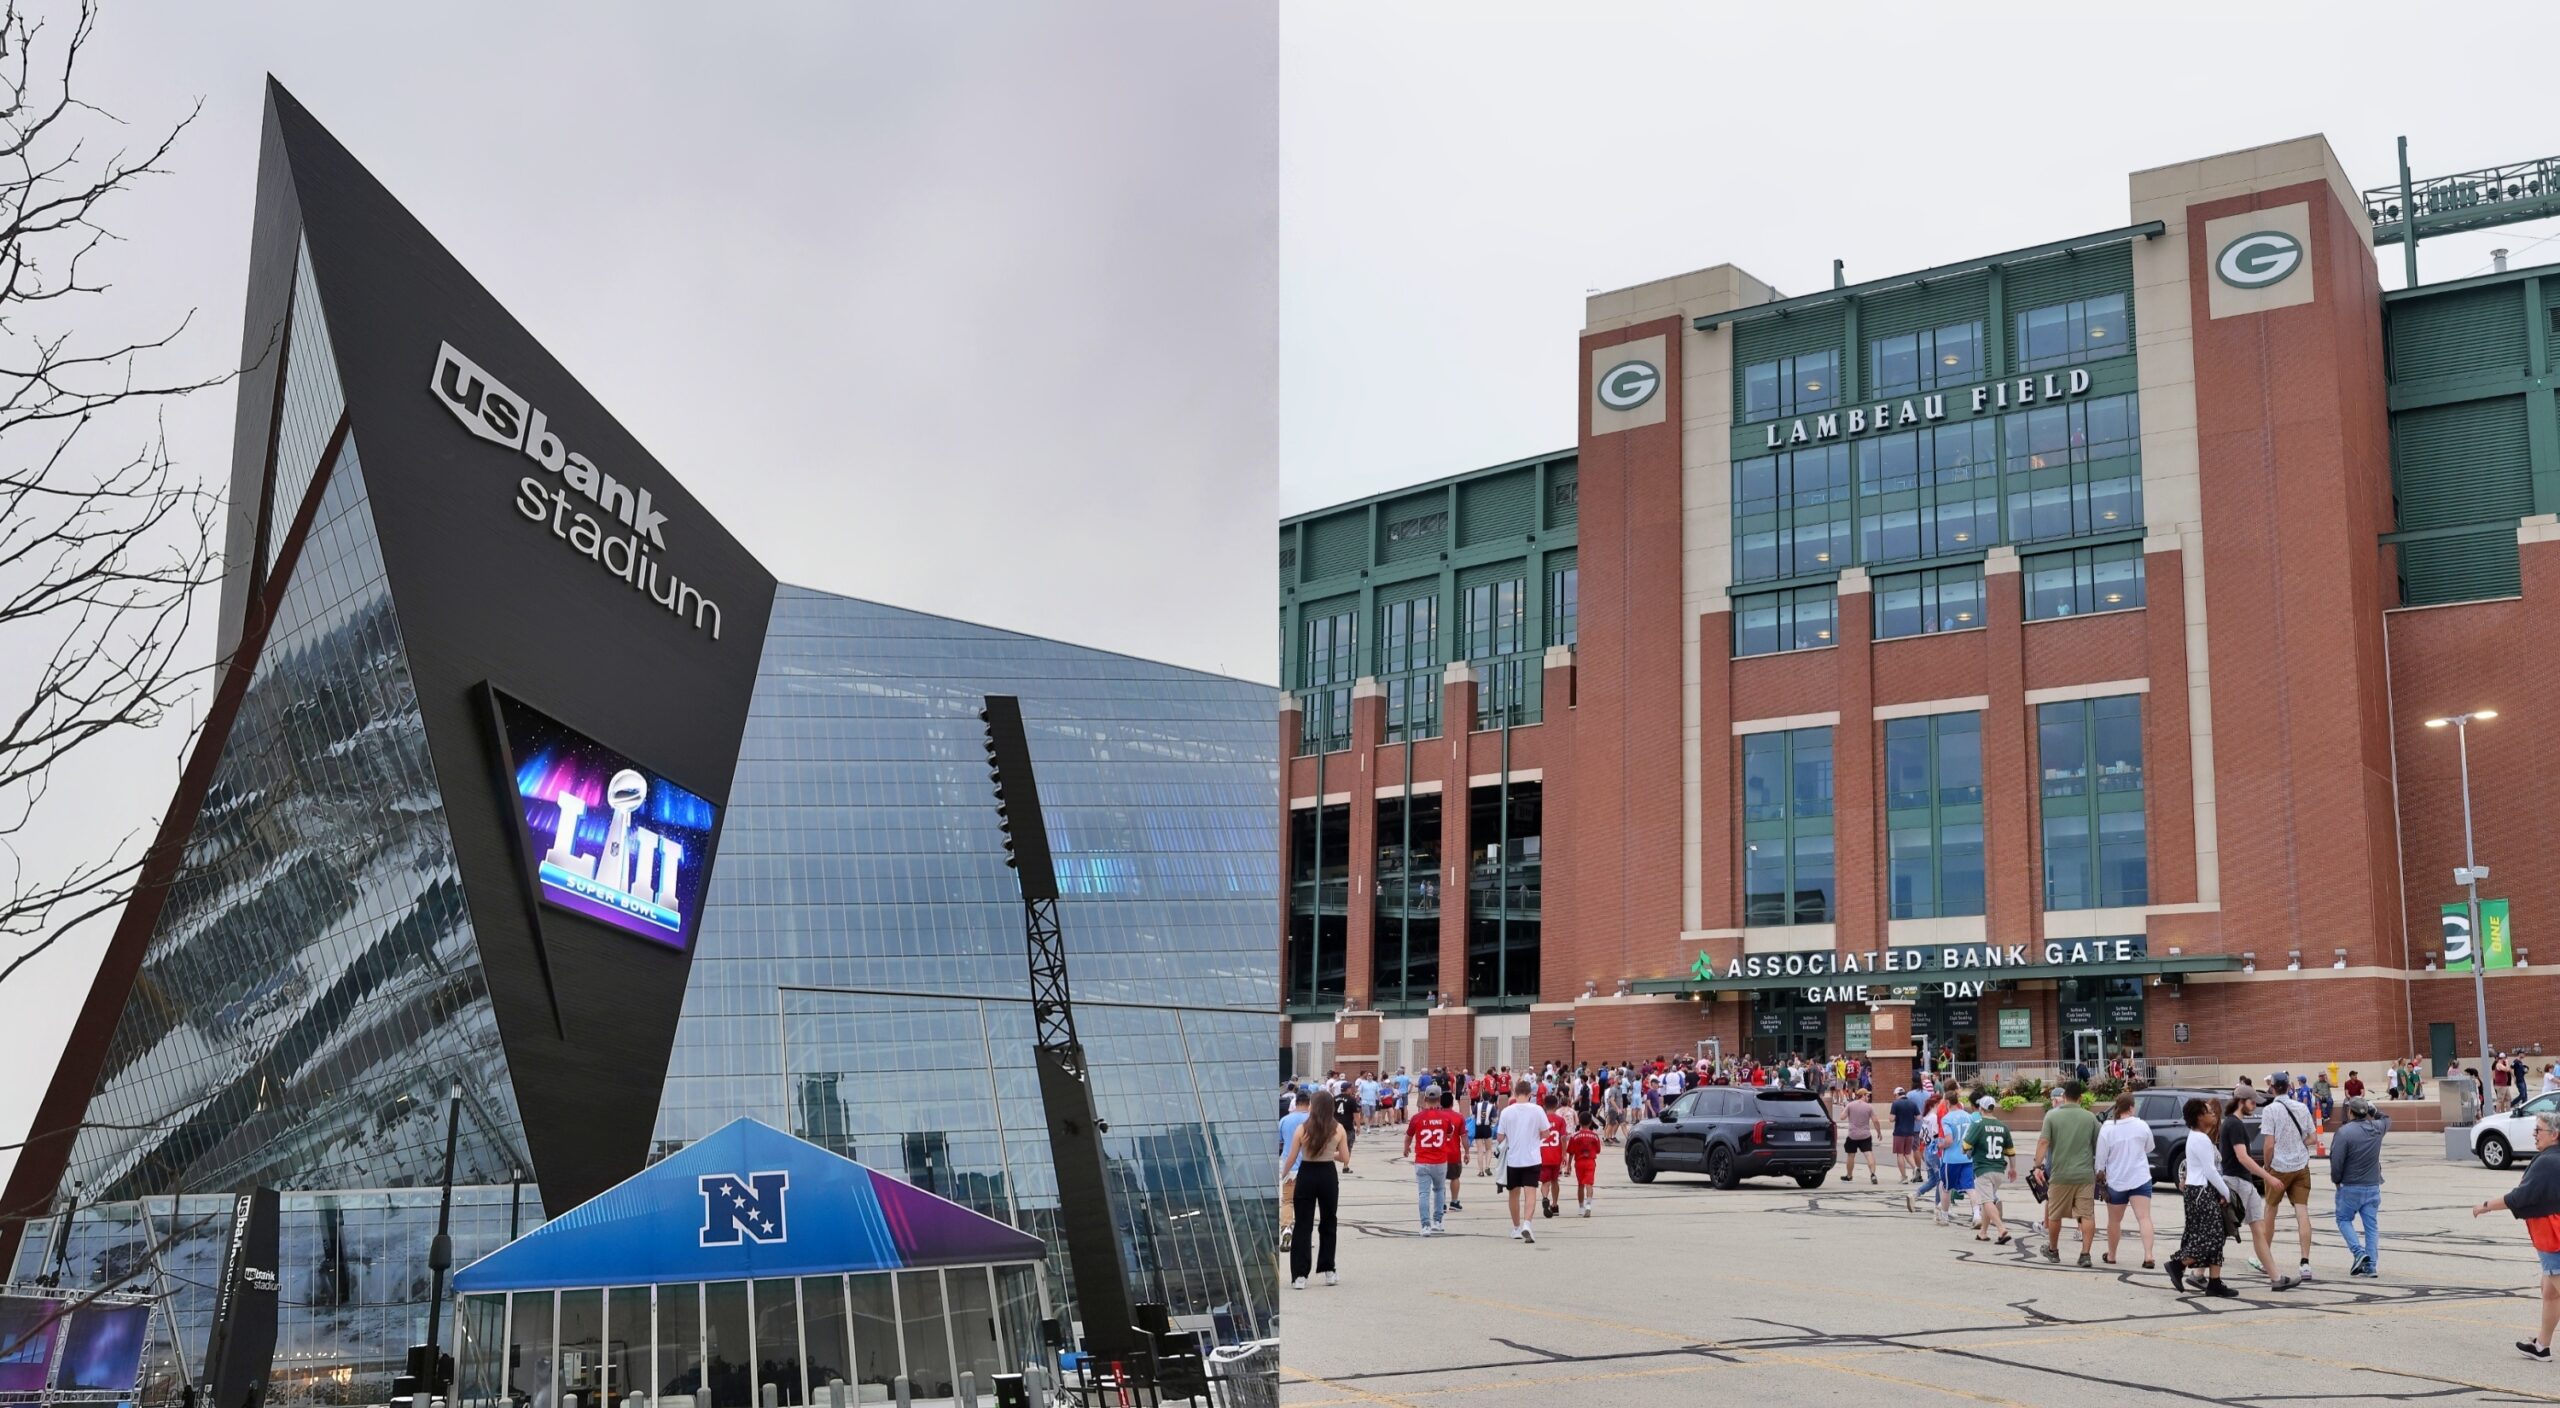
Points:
(1677, 1293)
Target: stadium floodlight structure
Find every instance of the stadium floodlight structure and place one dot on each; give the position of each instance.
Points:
(1066, 1088)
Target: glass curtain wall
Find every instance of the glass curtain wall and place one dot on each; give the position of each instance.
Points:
(1504, 876)
(1319, 907)
(1406, 942)
(858, 976)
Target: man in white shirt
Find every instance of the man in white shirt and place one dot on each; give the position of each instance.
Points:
(2287, 1126)
(1519, 1131)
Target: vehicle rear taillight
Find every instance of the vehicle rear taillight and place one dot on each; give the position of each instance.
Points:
(1760, 1132)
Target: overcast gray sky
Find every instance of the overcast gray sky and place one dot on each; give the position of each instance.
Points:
(1455, 176)
(962, 308)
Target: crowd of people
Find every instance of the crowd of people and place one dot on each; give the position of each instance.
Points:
(1953, 1152)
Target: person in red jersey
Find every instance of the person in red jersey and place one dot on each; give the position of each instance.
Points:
(1435, 1140)
(1584, 1147)
(1551, 1158)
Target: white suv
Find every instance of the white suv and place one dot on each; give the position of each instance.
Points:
(2496, 1138)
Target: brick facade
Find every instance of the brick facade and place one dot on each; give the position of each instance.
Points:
(2267, 647)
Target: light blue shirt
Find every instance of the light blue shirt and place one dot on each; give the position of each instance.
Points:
(1959, 1123)
(1289, 1127)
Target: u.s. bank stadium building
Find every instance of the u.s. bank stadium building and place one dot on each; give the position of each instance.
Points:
(2063, 654)
(523, 773)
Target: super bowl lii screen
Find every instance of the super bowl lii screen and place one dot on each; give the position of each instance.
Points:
(611, 839)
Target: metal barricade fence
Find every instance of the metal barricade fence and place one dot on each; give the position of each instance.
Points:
(1246, 1375)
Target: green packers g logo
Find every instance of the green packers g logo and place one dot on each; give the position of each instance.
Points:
(2258, 260)
(1628, 385)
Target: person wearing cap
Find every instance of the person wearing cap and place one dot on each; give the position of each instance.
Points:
(1987, 1142)
(2355, 1166)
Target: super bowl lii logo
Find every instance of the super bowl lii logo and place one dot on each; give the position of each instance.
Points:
(634, 871)
(611, 839)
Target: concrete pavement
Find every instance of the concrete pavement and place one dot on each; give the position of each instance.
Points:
(1677, 1293)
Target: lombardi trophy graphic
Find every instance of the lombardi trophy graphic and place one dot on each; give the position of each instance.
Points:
(624, 794)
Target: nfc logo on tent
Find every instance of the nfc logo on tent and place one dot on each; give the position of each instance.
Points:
(749, 1207)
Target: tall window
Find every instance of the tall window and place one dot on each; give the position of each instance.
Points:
(1791, 386)
(1786, 828)
(1564, 605)
(1494, 617)
(2080, 331)
(2074, 469)
(1503, 875)
(1928, 493)
(1924, 603)
(1319, 905)
(2083, 580)
(1408, 654)
(1933, 815)
(2090, 752)
(1331, 664)
(1805, 618)
(1927, 359)
(1791, 514)
(1405, 970)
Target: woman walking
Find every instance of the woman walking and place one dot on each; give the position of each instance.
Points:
(2537, 1201)
(1323, 1154)
(2201, 1183)
(2124, 1176)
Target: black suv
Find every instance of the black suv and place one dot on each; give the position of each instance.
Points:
(1734, 1132)
(2165, 1112)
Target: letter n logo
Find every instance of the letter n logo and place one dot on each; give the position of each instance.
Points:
(749, 1206)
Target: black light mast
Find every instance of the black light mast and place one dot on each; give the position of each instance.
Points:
(1066, 1093)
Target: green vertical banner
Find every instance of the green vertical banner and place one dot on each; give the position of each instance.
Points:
(2498, 940)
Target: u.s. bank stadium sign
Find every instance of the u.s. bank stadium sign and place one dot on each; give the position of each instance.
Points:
(1832, 976)
(1883, 417)
(569, 486)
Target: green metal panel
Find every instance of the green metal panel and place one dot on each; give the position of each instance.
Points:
(1413, 527)
(2061, 278)
(2473, 331)
(2469, 567)
(1923, 306)
(1564, 494)
(1498, 507)
(2464, 463)
(1508, 571)
(1336, 545)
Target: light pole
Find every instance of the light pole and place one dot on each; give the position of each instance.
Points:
(2468, 875)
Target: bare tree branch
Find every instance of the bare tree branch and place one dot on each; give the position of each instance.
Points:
(106, 546)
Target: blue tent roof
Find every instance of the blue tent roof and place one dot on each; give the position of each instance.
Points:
(747, 1201)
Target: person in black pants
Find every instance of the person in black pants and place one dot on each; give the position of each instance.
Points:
(1321, 1148)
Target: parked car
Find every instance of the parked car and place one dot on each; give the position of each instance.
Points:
(1734, 1132)
(2165, 1112)
(2496, 1138)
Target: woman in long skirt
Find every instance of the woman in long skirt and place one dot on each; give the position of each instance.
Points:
(2200, 1182)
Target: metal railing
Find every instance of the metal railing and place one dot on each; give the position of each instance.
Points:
(2493, 195)
(1246, 1375)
